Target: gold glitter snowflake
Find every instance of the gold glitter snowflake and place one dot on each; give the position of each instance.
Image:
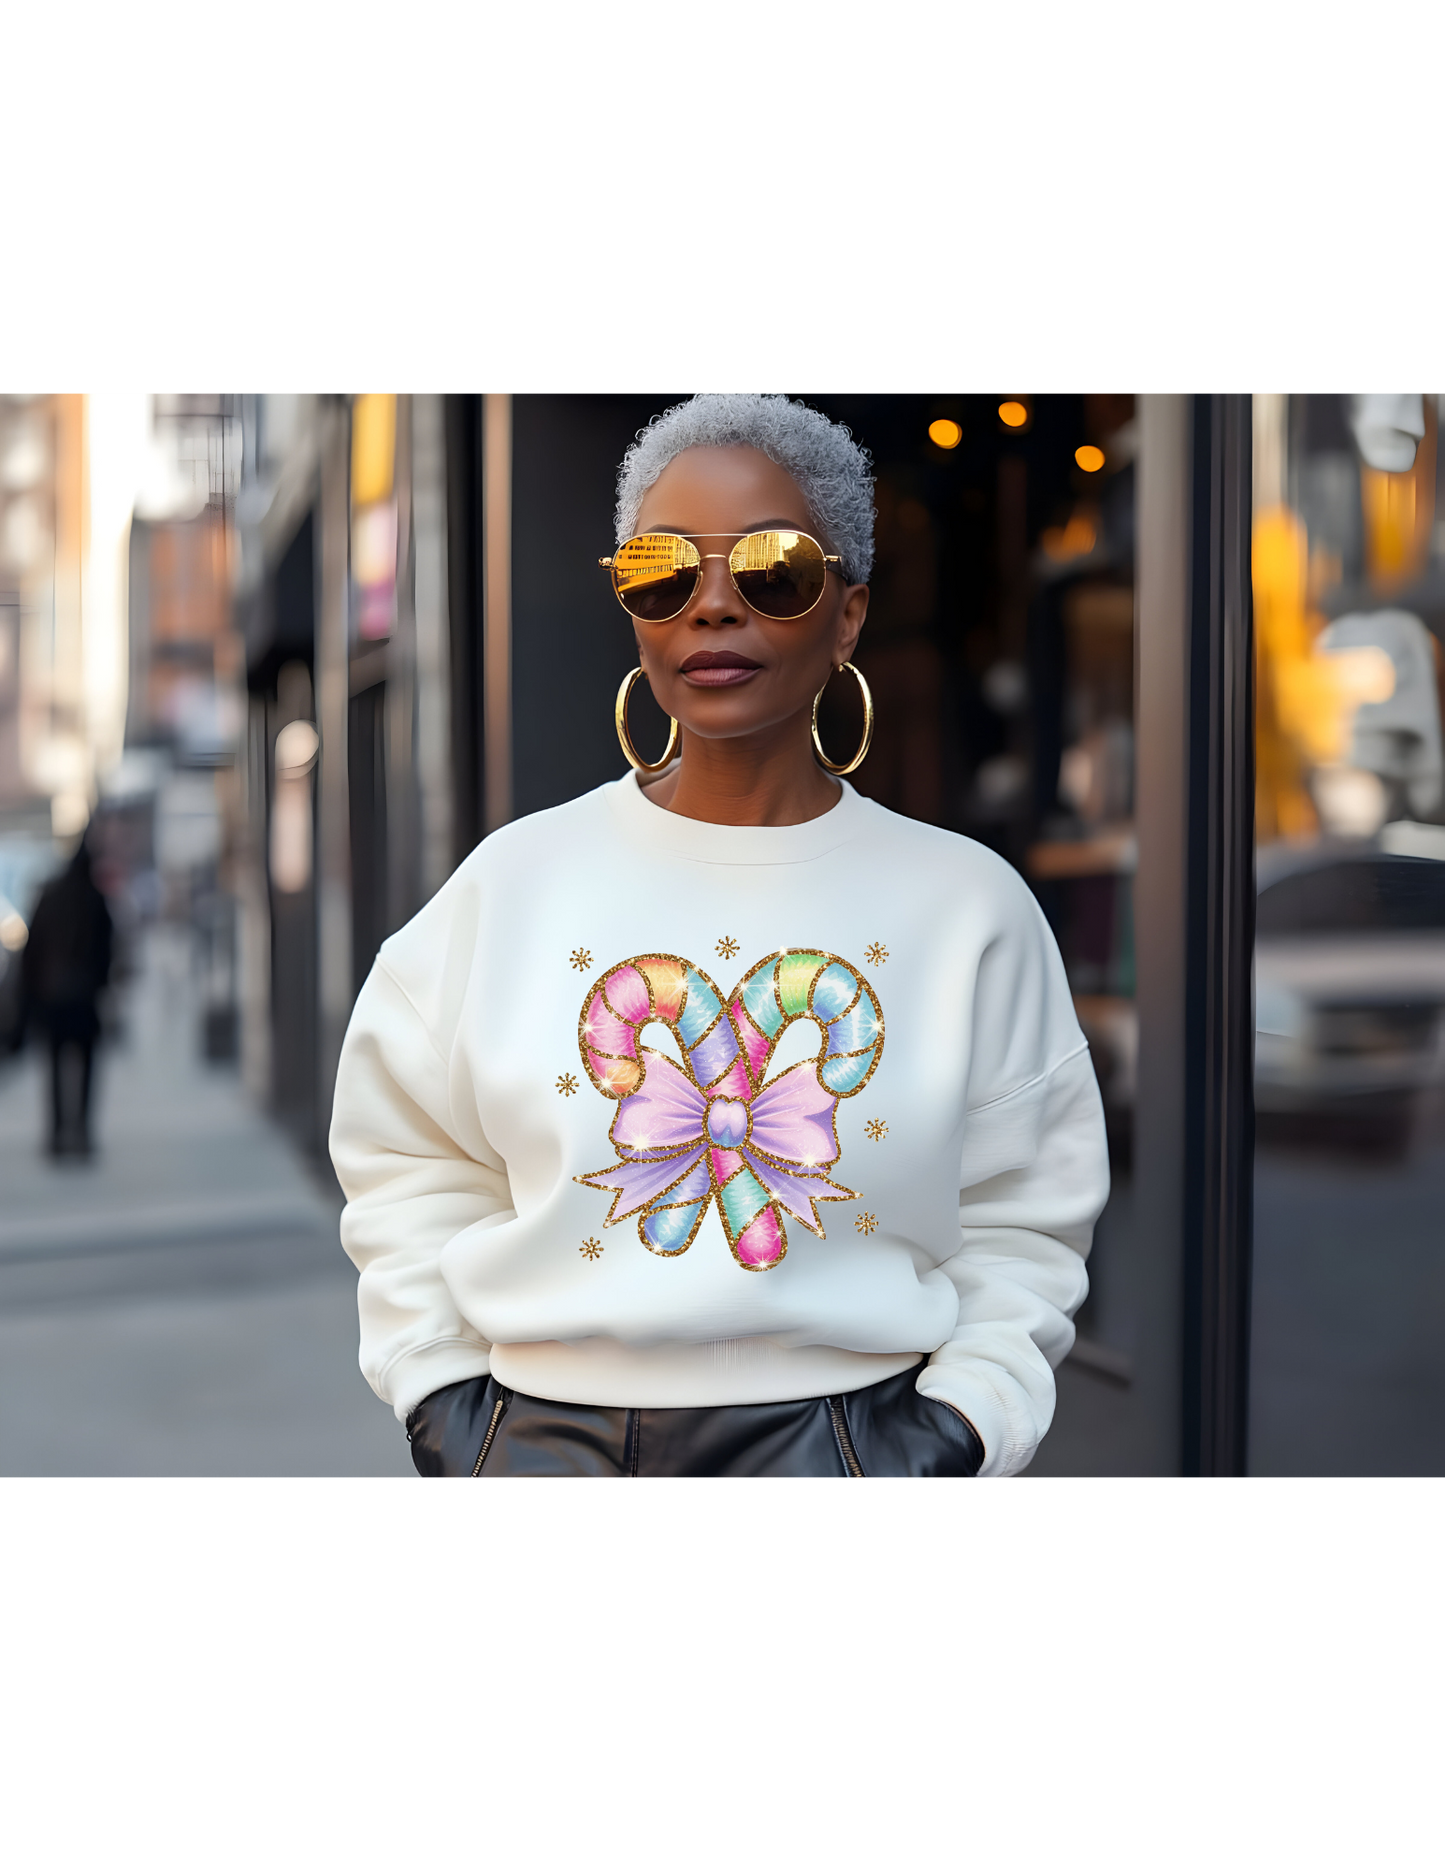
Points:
(591, 1248)
(581, 959)
(566, 1084)
(865, 1224)
(727, 948)
(876, 954)
(875, 1130)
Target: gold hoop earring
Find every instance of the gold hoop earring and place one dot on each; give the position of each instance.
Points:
(620, 716)
(867, 695)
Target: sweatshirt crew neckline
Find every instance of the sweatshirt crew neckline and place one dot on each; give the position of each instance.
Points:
(706, 843)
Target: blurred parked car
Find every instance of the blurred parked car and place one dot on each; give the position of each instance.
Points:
(1349, 980)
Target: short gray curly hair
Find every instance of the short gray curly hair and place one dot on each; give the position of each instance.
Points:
(834, 473)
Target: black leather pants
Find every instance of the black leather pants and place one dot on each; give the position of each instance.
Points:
(480, 1428)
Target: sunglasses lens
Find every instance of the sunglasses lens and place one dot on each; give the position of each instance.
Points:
(779, 574)
(655, 575)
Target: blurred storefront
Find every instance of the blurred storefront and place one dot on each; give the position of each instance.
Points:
(1118, 639)
(1349, 577)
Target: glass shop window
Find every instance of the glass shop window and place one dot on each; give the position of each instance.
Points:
(1348, 1353)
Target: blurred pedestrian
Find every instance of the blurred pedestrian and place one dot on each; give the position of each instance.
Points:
(66, 965)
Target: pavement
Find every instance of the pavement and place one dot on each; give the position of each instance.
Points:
(180, 1303)
(1348, 1351)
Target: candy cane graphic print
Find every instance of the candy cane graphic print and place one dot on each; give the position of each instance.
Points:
(718, 1128)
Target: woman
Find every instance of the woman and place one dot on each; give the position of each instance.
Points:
(721, 1122)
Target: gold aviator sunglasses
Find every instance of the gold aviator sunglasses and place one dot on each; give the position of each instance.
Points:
(776, 574)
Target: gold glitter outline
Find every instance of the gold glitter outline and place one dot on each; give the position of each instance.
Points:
(731, 1238)
(703, 1203)
(615, 1220)
(599, 988)
(813, 979)
(747, 976)
(724, 1012)
(822, 1055)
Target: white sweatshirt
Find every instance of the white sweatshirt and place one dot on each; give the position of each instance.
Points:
(647, 1112)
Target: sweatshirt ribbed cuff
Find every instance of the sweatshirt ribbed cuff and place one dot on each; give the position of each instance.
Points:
(982, 1405)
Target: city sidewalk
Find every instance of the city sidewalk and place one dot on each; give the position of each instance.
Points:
(180, 1305)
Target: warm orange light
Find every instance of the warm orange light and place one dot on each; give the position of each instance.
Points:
(1397, 524)
(1073, 541)
(373, 448)
(1307, 696)
(1013, 415)
(947, 434)
(1089, 458)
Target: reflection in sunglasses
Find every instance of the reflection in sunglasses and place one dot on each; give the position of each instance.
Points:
(768, 552)
(652, 559)
(645, 579)
(780, 574)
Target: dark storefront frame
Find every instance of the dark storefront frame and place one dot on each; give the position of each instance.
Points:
(1219, 1047)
